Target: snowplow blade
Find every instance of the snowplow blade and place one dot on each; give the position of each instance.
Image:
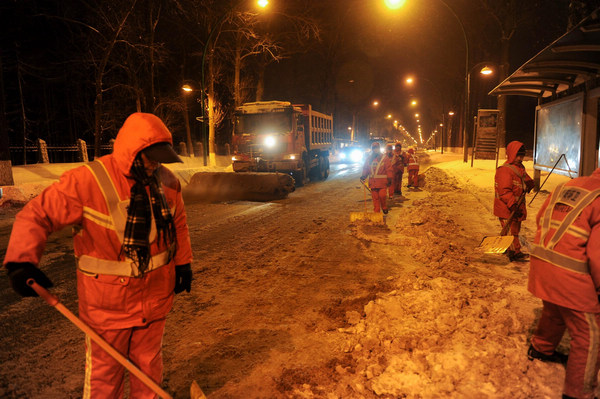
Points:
(375, 217)
(495, 244)
(225, 186)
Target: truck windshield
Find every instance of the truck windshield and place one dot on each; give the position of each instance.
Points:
(266, 123)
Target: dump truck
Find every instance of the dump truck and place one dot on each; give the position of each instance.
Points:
(278, 136)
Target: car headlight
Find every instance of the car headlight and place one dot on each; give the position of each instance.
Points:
(270, 142)
(356, 155)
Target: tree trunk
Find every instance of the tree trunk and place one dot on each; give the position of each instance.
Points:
(503, 72)
(211, 111)
(260, 83)
(237, 100)
(6, 177)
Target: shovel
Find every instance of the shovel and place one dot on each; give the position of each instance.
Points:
(499, 244)
(53, 301)
(375, 217)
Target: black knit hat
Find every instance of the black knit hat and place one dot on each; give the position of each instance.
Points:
(521, 151)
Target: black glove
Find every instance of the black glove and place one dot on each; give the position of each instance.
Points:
(19, 273)
(363, 178)
(183, 278)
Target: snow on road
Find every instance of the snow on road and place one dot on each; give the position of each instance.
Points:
(445, 321)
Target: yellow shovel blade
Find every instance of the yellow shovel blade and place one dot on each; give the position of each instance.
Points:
(496, 244)
(196, 392)
(375, 217)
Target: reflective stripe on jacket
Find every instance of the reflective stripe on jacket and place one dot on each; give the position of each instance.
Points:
(565, 256)
(413, 162)
(106, 300)
(510, 181)
(379, 169)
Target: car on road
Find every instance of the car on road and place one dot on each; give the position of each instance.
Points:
(351, 154)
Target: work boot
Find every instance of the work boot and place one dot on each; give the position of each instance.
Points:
(555, 357)
(518, 257)
(385, 211)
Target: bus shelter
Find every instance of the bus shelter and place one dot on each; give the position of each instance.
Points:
(564, 77)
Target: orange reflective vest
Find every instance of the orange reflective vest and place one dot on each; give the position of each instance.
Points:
(565, 256)
(379, 169)
(93, 198)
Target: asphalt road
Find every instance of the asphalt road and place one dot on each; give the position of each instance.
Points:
(269, 278)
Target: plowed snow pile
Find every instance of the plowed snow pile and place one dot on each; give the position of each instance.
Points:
(456, 322)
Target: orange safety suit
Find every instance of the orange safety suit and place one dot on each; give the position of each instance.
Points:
(400, 160)
(413, 169)
(565, 274)
(378, 168)
(124, 307)
(511, 181)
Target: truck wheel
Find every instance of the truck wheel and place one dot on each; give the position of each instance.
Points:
(325, 173)
(299, 177)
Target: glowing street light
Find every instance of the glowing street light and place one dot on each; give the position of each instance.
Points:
(413, 102)
(394, 4)
(263, 3)
(375, 103)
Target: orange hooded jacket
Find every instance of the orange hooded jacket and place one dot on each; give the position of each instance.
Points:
(511, 181)
(565, 256)
(111, 293)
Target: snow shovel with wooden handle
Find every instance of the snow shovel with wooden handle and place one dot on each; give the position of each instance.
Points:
(375, 217)
(133, 369)
(499, 244)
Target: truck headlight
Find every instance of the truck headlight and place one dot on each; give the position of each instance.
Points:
(270, 142)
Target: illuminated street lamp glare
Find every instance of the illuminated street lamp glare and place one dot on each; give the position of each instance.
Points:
(263, 3)
(486, 71)
(394, 4)
(186, 88)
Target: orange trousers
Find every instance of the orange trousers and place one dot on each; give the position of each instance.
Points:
(514, 230)
(105, 377)
(413, 178)
(379, 196)
(584, 354)
(396, 187)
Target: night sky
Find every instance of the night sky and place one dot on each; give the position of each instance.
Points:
(50, 54)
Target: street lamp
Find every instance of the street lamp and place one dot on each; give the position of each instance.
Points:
(485, 70)
(187, 89)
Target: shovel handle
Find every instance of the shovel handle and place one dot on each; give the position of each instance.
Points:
(53, 301)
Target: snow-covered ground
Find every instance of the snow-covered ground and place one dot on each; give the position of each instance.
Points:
(449, 322)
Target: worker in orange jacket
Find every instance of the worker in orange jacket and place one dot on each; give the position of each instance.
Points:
(400, 161)
(391, 160)
(511, 184)
(413, 169)
(565, 275)
(378, 169)
(132, 247)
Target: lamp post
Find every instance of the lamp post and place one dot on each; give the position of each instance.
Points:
(208, 119)
(187, 89)
(484, 71)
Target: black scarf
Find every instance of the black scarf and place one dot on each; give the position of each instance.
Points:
(136, 245)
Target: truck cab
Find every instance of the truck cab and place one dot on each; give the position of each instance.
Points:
(276, 136)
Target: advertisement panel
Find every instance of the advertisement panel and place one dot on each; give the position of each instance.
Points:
(558, 136)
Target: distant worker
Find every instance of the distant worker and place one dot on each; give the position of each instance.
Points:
(565, 275)
(413, 169)
(511, 184)
(400, 161)
(389, 154)
(132, 247)
(379, 172)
